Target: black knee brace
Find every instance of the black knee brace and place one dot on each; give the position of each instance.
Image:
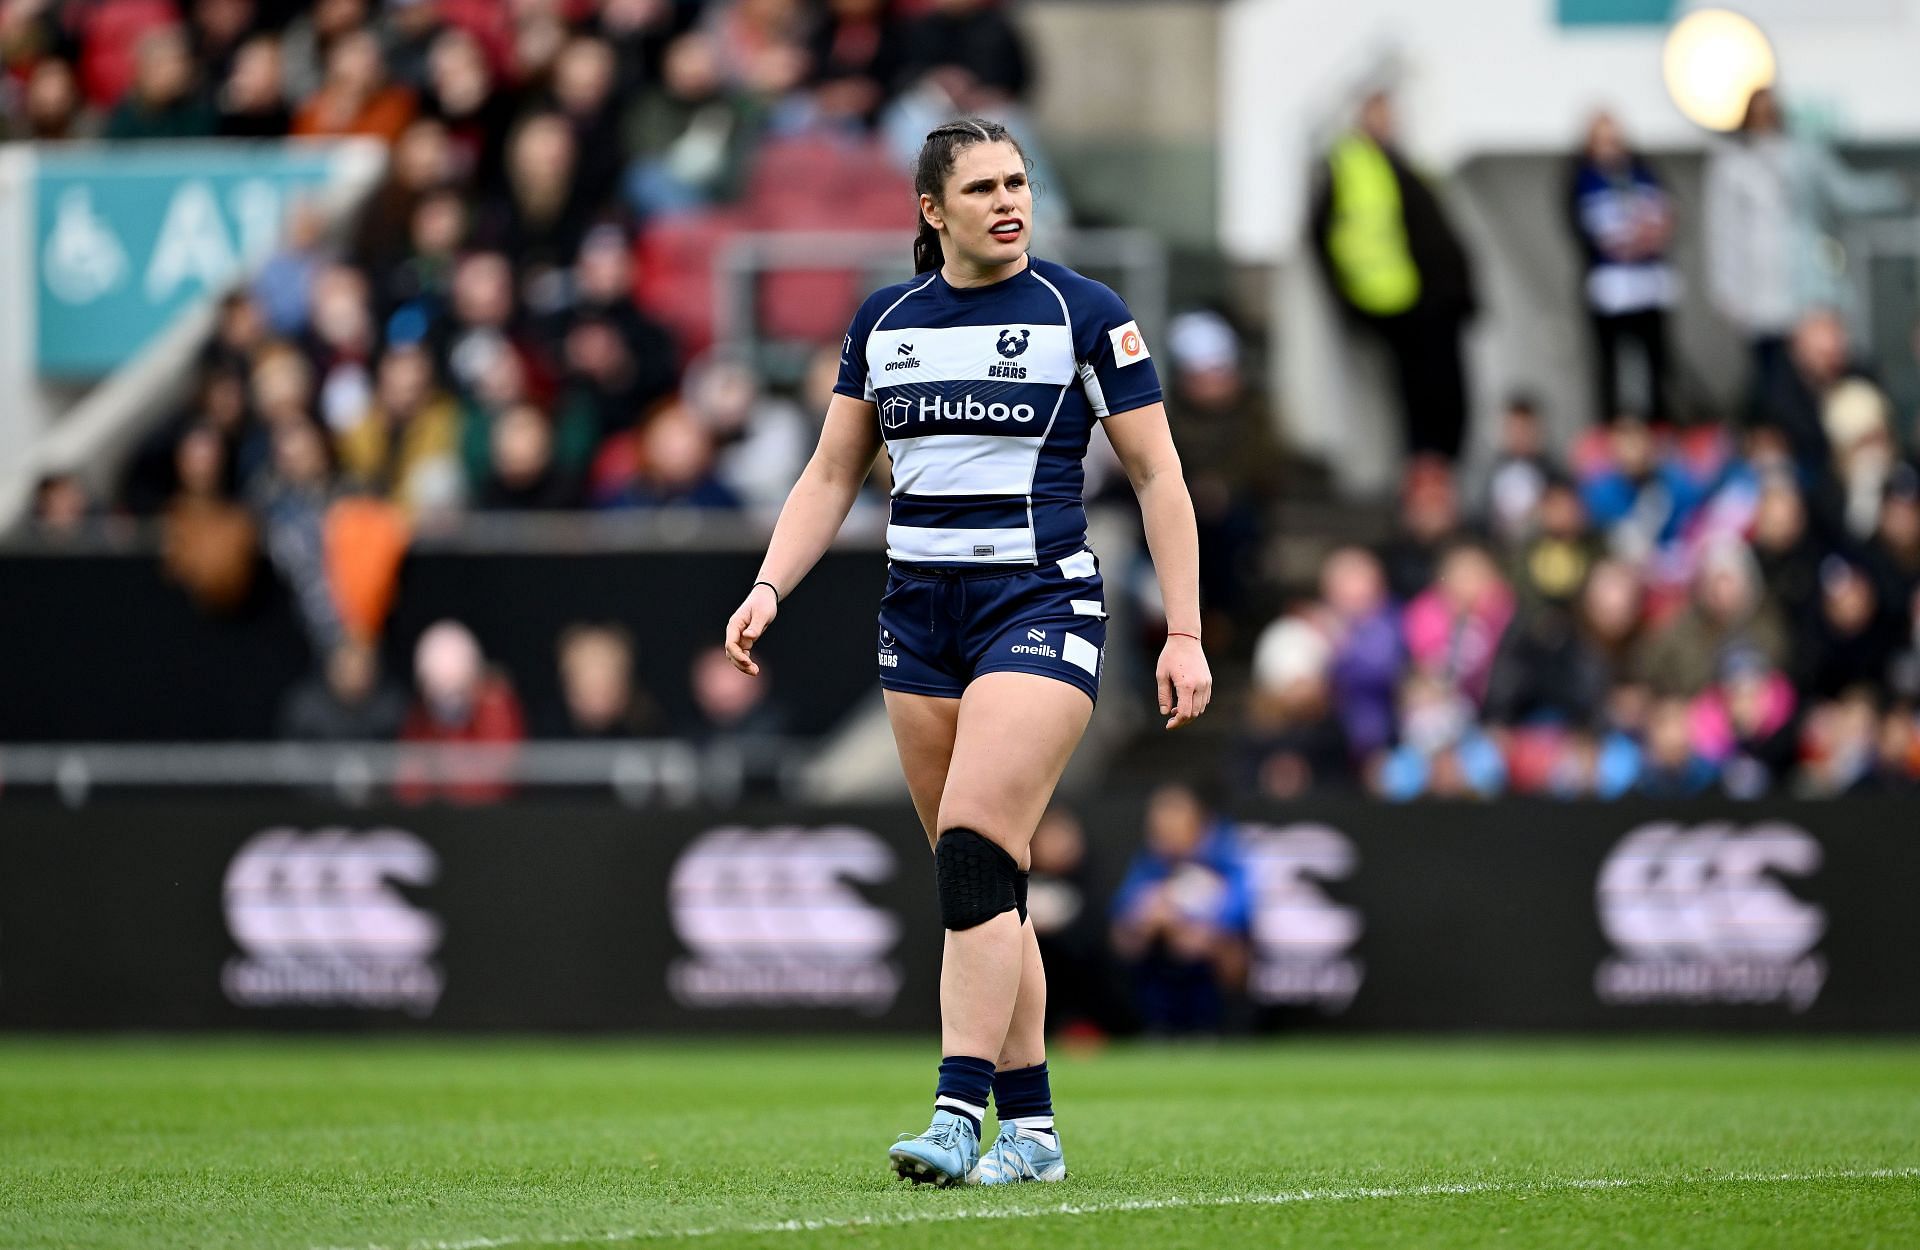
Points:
(977, 879)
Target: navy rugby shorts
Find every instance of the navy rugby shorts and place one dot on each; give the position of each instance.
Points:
(940, 629)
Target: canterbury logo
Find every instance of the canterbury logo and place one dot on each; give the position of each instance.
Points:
(1701, 914)
(774, 918)
(322, 923)
(1303, 940)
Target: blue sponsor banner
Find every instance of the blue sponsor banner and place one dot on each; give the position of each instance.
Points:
(1614, 12)
(127, 238)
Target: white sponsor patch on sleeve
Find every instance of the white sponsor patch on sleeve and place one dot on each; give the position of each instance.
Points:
(1128, 347)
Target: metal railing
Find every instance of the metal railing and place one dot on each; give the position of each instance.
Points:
(638, 772)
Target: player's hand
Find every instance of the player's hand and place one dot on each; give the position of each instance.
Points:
(1185, 681)
(746, 625)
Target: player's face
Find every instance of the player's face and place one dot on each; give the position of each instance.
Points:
(988, 206)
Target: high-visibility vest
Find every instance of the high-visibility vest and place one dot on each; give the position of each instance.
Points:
(1367, 237)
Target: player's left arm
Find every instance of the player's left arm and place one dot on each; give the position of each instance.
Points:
(1143, 442)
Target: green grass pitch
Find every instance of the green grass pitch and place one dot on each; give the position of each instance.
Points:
(474, 1145)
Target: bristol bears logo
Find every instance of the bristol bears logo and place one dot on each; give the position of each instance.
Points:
(896, 412)
(1700, 915)
(1010, 346)
(772, 918)
(1302, 939)
(322, 924)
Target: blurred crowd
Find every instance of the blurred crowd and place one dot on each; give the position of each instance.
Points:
(521, 317)
(1678, 605)
(1666, 612)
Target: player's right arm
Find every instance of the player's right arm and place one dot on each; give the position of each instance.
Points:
(814, 511)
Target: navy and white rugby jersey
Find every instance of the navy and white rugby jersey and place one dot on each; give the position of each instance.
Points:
(986, 397)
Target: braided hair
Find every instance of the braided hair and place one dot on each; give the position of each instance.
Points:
(930, 171)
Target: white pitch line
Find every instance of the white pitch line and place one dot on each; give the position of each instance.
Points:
(1287, 1198)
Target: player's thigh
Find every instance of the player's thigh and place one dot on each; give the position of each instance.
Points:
(1015, 734)
(923, 730)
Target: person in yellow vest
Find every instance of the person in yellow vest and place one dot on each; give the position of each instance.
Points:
(1395, 263)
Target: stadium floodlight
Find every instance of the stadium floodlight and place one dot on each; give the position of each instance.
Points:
(1714, 60)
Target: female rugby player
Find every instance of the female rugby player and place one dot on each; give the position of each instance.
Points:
(982, 378)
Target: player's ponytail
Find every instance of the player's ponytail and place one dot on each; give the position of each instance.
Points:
(930, 172)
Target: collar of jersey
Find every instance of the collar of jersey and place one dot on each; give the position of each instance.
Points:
(975, 292)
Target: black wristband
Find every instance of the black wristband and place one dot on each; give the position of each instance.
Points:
(770, 586)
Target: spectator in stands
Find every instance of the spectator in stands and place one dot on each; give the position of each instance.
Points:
(601, 292)
(208, 543)
(1070, 921)
(283, 289)
(463, 96)
(1841, 748)
(1551, 566)
(544, 215)
(252, 101)
(291, 498)
(1623, 220)
(973, 42)
(522, 475)
(1894, 555)
(692, 136)
(668, 463)
(1225, 434)
(419, 288)
(421, 163)
(1640, 495)
(1429, 523)
(62, 507)
(407, 31)
(1546, 672)
(599, 699)
(1729, 609)
(736, 716)
(1363, 627)
(585, 76)
(1453, 629)
(52, 108)
(1897, 766)
(1518, 478)
(1788, 556)
(762, 440)
(1182, 917)
(1903, 674)
(404, 445)
(1673, 768)
(1293, 739)
(855, 58)
(1853, 642)
(1395, 263)
(1442, 752)
(355, 98)
(219, 405)
(605, 388)
(164, 102)
(341, 341)
(1746, 723)
(481, 324)
(310, 34)
(461, 702)
(349, 702)
(1772, 201)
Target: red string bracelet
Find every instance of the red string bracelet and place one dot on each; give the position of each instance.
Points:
(1174, 633)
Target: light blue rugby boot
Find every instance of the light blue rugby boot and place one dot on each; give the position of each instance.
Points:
(1021, 1154)
(943, 1155)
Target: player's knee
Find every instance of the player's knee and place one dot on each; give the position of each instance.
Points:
(977, 879)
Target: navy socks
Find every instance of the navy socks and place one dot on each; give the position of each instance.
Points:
(965, 1084)
(1022, 1096)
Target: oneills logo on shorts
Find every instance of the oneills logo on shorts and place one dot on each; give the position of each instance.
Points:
(1128, 347)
